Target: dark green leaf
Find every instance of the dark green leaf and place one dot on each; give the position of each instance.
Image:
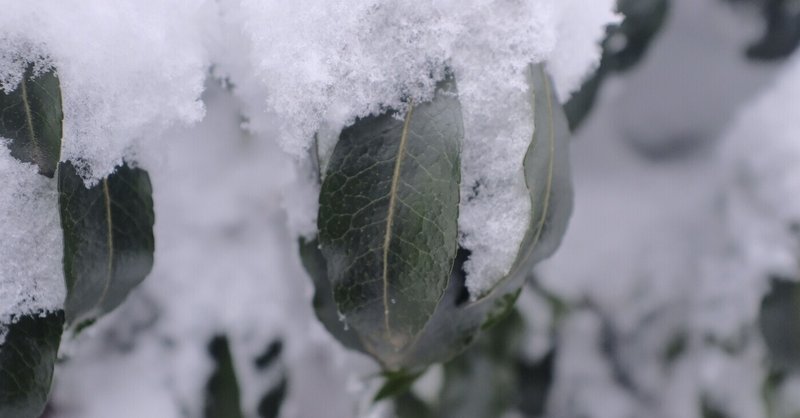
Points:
(27, 358)
(108, 238)
(222, 390)
(388, 219)
(31, 118)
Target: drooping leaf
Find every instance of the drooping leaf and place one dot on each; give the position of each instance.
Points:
(27, 357)
(31, 118)
(222, 391)
(388, 219)
(108, 238)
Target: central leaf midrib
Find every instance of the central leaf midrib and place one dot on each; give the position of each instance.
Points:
(110, 243)
(29, 119)
(387, 239)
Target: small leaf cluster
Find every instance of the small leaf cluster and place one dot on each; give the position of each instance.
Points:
(386, 264)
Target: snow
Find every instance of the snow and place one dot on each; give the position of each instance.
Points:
(577, 50)
(128, 69)
(31, 278)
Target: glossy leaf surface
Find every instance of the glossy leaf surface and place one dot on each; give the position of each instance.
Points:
(108, 238)
(388, 219)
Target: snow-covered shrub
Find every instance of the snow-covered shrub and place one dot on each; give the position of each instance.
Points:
(225, 131)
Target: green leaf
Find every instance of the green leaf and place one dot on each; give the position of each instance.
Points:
(31, 118)
(547, 176)
(27, 357)
(388, 219)
(352, 223)
(108, 238)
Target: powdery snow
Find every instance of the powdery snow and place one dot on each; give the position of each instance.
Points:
(31, 277)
